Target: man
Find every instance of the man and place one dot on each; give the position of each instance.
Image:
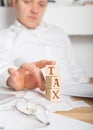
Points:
(29, 40)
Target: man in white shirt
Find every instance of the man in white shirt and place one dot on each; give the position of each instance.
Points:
(29, 40)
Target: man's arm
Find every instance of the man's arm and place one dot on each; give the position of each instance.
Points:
(5, 57)
(79, 75)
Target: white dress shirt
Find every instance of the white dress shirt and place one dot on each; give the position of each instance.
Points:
(19, 45)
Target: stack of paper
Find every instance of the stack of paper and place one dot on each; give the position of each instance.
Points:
(16, 121)
(79, 90)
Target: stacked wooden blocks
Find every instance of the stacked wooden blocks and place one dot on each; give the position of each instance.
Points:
(53, 83)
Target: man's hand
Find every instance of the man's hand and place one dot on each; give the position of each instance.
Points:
(28, 76)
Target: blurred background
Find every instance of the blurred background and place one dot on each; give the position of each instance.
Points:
(58, 2)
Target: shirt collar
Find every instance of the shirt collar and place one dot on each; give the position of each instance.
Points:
(41, 26)
(19, 25)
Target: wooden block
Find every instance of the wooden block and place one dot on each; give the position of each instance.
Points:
(53, 82)
(51, 70)
(53, 94)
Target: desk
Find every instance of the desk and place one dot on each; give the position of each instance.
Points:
(83, 114)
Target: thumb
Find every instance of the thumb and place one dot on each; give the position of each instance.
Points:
(12, 71)
(43, 63)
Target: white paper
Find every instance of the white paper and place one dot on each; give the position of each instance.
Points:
(11, 119)
(11, 91)
(65, 104)
(78, 90)
(37, 97)
(16, 121)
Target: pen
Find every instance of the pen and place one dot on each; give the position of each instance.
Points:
(52, 1)
(2, 128)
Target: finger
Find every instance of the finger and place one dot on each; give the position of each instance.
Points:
(43, 63)
(12, 72)
(23, 71)
(26, 72)
(40, 80)
(37, 74)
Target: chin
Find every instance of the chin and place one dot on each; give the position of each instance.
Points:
(32, 26)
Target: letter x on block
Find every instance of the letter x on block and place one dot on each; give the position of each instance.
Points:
(53, 94)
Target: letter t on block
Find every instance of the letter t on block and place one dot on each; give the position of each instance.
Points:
(51, 70)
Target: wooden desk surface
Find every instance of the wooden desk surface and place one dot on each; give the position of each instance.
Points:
(83, 114)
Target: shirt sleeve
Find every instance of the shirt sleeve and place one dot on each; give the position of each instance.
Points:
(78, 74)
(5, 60)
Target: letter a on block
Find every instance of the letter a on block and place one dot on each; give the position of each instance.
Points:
(56, 83)
(51, 70)
(53, 82)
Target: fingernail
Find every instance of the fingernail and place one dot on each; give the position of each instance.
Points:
(27, 72)
(44, 86)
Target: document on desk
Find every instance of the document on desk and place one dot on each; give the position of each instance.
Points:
(15, 121)
(4, 98)
(11, 91)
(78, 90)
